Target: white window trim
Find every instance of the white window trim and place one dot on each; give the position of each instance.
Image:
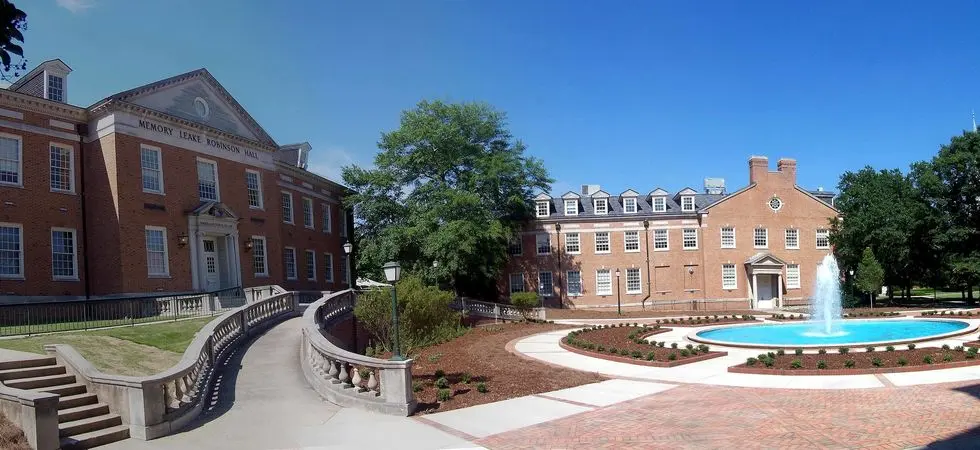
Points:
(510, 283)
(217, 184)
(20, 234)
(597, 291)
(552, 293)
(537, 247)
(595, 238)
(662, 202)
(754, 245)
(329, 275)
(258, 178)
(71, 168)
(735, 278)
(312, 224)
(639, 243)
(295, 266)
(537, 208)
(799, 275)
(47, 86)
(693, 206)
(574, 205)
(159, 154)
(579, 237)
(636, 206)
(786, 238)
(20, 162)
(627, 276)
(307, 253)
(595, 206)
(520, 245)
(74, 256)
(568, 283)
(166, 253)
(327, 221)
(816, 235)
(721, 233)
(292, 208)
(265, 255)
(667, 233)
(696, 240)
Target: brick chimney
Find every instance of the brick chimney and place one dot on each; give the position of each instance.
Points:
(758, 168)
(787, 167)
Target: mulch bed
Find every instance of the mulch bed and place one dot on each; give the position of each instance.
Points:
(627, 344)
(703, 321)
(560, 314)
(863, 362)
(481, 354)
(949, 315)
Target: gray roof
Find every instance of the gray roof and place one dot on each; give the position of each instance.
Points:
(642, 203)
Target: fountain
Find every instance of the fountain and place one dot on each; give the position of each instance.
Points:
(825, 309)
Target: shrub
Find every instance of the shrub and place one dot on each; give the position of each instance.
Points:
(685, 352)
(612, 350)
(751, 361)
(973, 350)
(970, 355)
(843, 350)
(650, 356)
(780, 352)
(769, 361)
(369, 351)
(796, 364)
(439, 373)
(889, 349)
(958, 348)
(911, 346)
(600, 348)
(624, 352)
(877, 362)
(662, 344)
(798, 351)
(703, 348)
(821, 364)
(672, 356)
(442, 383)
(417, 386)
(902, 361)
(525, 302)
(945, 346)
(870, 349)
(947, 357)
(822, 351)
(927, 359)
(465, 378)
(636, 354)
(689, 346)
(425, 317)
(481, 387)
(673, 345)
(445, 395)
(849, 363)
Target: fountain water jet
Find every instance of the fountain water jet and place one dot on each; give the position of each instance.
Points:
(825, 307)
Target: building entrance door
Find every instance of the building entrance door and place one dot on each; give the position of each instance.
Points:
(212, 273)
(767, 291)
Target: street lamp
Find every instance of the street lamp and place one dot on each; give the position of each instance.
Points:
(619, 305)
(347, 249)
(393, 271)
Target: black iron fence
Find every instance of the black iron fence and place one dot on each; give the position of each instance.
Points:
(34, 316)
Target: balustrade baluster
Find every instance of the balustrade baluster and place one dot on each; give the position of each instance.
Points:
(333, 371)
(355, 379)
(343, 376)
(372, 384)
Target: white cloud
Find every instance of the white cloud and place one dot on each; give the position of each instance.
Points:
(4, 84)
(76, 6)
(330, 162)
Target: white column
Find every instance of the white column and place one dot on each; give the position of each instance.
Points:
(755, 290)
(779, 283)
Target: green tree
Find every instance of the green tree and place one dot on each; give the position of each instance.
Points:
(870, 276)
(424, 315)
(450, 187)
(12, 23)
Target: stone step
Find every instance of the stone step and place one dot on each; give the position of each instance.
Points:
(32, 362)
(82, 412)
(75, 400)
(30, 372)
(37, 382)
(89, 424)
(64, 389)
(95, 438)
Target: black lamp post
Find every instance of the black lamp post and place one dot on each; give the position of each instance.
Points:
(619, 305)
(393, 271)
(348, 247)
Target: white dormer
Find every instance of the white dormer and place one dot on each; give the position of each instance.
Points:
(658, 200)
(629, 201)
(48, 80)
(570, 200)
(600, 203)
(687, 200)
(295, 155)
(542, 205)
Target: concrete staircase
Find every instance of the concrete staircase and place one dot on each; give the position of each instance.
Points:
(83, 421)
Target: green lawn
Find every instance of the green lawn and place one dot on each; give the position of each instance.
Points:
(136, 351)
(928, 292)
(58, 327)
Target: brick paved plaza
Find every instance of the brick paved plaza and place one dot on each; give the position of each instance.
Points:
(717, 417)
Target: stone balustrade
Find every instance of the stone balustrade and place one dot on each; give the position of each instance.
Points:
(36, 413)
(495, 310)
(347, 378)
(254, 294)
(158, 405)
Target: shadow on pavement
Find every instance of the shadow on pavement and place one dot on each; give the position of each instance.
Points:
(968, 438)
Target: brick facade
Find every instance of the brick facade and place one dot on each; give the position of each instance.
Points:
(688, 275)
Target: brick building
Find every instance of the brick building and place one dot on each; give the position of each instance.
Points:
(756, 247)
(168, 187)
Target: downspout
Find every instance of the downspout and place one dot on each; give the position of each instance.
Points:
(646, 244)
(561, 287)
(82, 130)
(704, 270)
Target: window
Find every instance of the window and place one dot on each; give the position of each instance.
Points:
(307, 212)
(761, 238)
(56, 88)
(633, 285)
(571, 207)
(311, 265)
(659, 204)
(775, 203)
(543, 242)
(543, 209)
(660, 241)
(792, 238)
(157, 262)
(152, 169)
(603, 282)
(600, 206)
(207, 180)
(729, 279)
(63, 260)
(792, 276)
(328, 267)
(259, 266)
(574, 282)
(690, 238)
(602, 242)
(728, 237)
(687, 203)
(11, 251)
(289, 255)
(62, 169)
(629, 205)
(631, 241)
(343, 271)
(326, 219)
(546, 287)
(11, 161)
(515, 248)
(253, 182)
(516, 282)
(823, 239)
(287, 207)
(573, 244)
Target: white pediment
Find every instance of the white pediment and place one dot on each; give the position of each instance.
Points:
(542, 197)
(600, 194)
(659, 193)
(765, 259)
(630, 193)
(687, 191)
(570, 196)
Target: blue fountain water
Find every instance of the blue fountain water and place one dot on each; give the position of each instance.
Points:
(849, 332)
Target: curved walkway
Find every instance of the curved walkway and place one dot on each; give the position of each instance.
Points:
(263, 402)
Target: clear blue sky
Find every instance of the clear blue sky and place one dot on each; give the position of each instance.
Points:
(634, 94)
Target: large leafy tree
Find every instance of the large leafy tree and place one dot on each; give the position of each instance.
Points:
(450, 187)
(12, 23)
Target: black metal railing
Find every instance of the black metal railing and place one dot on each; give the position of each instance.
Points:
(42, 315)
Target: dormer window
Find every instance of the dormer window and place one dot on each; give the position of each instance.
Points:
(600, 206)
(659, 204)
(55, 89)
(543, 209)
(629, 205)
(571, 207)
(687, 203)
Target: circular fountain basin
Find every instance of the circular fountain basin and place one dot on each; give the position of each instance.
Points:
(850, 332)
